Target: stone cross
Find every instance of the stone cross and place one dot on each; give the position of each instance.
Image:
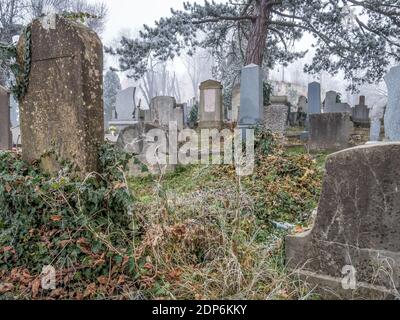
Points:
(211, 113)
(251, 111)
(392, 114)
(5, 124)
(62, 112)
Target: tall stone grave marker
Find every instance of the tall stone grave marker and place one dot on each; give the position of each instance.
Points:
(62, 111)
(179, 116)
(392, 114)
(251, 111)
(353, 249)
(5, 122)
(211, 113)
(361, 112)
(235, 103)
(314, 98)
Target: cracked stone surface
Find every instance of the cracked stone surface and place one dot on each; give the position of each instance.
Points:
(358, 219)
(63, 108)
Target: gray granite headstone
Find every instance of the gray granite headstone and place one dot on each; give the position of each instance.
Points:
(162, 111)
(5, 124)
(314, 98)
(251, 112)
(392, 114)
(361, 112)
(125, 105)
(332, 106)
(235, 103)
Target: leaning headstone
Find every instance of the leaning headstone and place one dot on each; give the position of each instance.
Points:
(375, 131)
(5, 123)
(211, 113)
(276, 115)
(329, 131)
(62, 110)
(353, 250)
(314, 98)
(162, 111)
(361, 113)
(251, 111)
(333, 106)
(392, 114)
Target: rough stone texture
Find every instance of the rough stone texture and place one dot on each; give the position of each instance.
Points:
(330, 131)
(276, 115)
(5, 124)
(130, 139)
(251, 111)
(235, 103)
(314, 98)
(63, 108)
(125, 105)
(179, 116)
(375, 132)
(361, 113)
(392, 114)
(357, 224)
(162, 111)
(211, 112)
(332, 106)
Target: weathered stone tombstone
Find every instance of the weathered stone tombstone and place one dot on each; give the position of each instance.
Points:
(361, 113)
(392, 114)
(235, 103)
(179, 116)
(62, 110)
(5, 122)
(302, 105)
(211, 113)
(329, 131)
(125, 108)
(162, 111)
(251, 111)
(276, 115)
(331, 104)
(130, 139)
(314, 98)
(353, 249)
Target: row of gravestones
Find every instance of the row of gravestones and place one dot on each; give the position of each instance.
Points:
(354, 246)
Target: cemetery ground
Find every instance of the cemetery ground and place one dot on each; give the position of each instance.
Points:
(200, 232)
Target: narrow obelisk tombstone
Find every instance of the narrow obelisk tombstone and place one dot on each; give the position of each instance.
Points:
(251, 111)
(314, 98)
(62, 111)
(392, 114)
(5, 124)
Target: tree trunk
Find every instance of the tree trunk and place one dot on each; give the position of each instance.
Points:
(258, 35)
